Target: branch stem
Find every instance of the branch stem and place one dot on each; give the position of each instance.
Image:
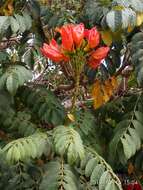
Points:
(77, 84)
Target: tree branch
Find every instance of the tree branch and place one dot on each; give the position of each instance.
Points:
(125, 63)
(8, 42)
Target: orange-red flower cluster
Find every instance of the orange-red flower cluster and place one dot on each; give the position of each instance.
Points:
(76, 37)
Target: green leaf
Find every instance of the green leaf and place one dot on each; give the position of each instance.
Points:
(127, 147)
(139, 128)
(67, 141)
(25, 148)
(3, 79)
(121, 19)
(112, 185)
(4, 23)
(137, 56)
(113, 146)
(14, 25)
(9, 156)
(139, 116)
(48, 107)
(21, 21)
(135, 138)
(28, 20)
(136, 5)
(16, 152)
(104, 180)
(12, 83)
(84, 122)
(59, 175)
(101, 173)
(96, 174)
(4, 56)
(90, 166)
(114, 19)
(14, 77)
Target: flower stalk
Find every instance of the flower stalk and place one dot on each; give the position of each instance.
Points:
(76, 93)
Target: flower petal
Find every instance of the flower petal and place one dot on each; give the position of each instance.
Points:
(93, 63)
(100, 53)
(93, 37)
(78, 34)
(67, 39)
(86, 33)
(54, 44)
(52, 52)
(129, 187)
(137, 186)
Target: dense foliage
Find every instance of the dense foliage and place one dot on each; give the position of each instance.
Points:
(71, 109)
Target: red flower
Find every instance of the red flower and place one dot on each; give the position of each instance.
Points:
(137, 186)
(97, 56)
(129, 187)
(132, 186)
(53, 52)
(93, 37)
(67, 39)
(72, 37)
(100, 53)
(93, 63)
(78, 34)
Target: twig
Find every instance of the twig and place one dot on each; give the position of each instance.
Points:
(125, 63)
(64, 88)
(6, 42)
